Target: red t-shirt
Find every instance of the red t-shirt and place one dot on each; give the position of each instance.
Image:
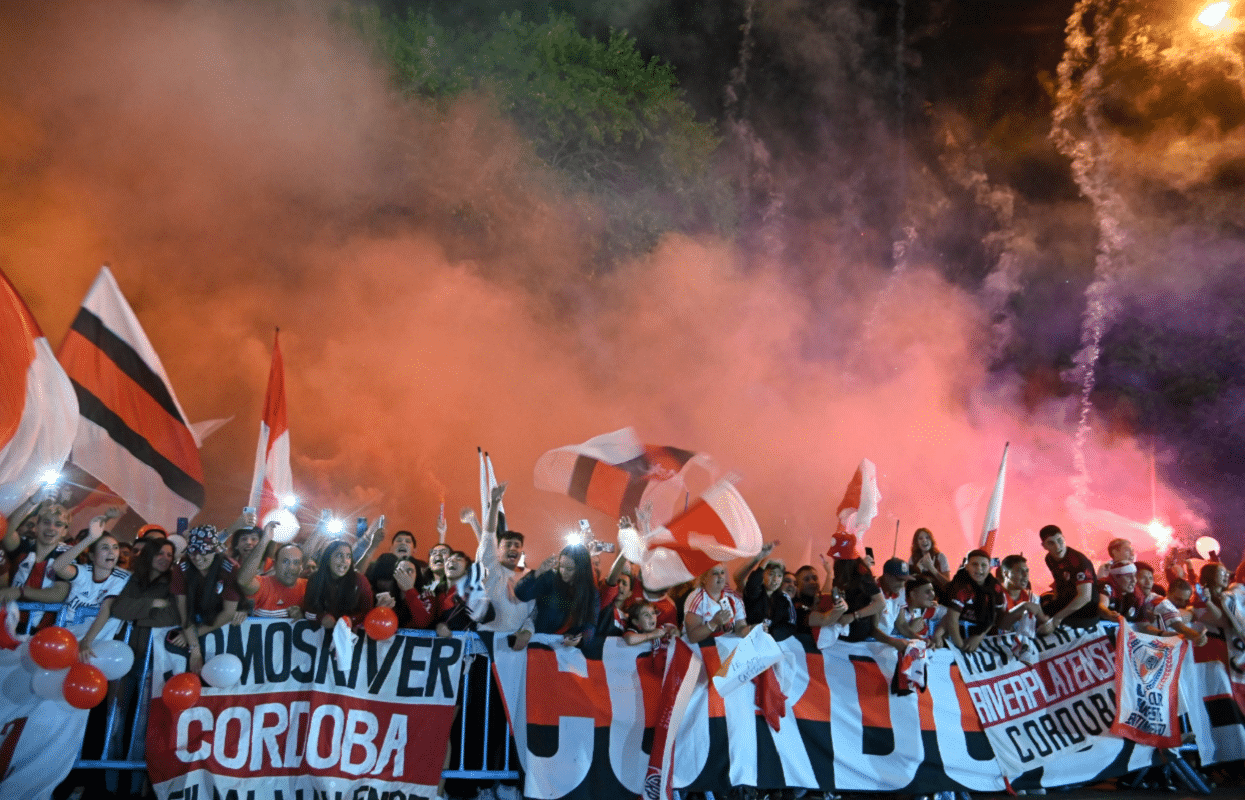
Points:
(274, 598)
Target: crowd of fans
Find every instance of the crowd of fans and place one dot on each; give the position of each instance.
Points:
(223, 576)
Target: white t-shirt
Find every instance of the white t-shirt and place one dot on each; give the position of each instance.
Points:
(701, 604)
(86, 592)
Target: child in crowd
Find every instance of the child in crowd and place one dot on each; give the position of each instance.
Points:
(921, 618)
(642, 626)
(975, 603)
(1024, 608)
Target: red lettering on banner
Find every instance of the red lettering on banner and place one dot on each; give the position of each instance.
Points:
(968, 716)
(814, 703)
(871, 683)
(570, 694)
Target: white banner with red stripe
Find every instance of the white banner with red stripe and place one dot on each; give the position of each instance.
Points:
(1147, 682)
(297, 725)
(1053, 717)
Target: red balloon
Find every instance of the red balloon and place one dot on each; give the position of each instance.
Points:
(54, 648)
(85, 686)
(380, 623)
(182, 691)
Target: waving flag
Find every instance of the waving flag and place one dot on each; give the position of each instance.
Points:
(860, 502)
(718, 527)
(990, 528)
(132, 433)
(615, 474)
(273, 479)
(38, 410)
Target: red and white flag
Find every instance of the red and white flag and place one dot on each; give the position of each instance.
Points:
(132, 433)
(273, 479)
(860, 502)
(38, 409)
(990, 527)
(718, 527)
(616, 474)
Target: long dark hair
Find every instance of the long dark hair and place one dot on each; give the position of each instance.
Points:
(143, 563)
(850, 573)
(202, 600)
(580, 591)
(329, 594)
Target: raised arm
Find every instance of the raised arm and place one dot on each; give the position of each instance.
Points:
(11, 539)
(741, 574)
(377, 533)
(64, 565)
(494, 508)
(248, 576)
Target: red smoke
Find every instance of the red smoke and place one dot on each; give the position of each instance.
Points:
(246, 166)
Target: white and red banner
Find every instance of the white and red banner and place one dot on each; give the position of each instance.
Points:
(1147, 683)
(30, 767)
(1054, 716)
(296, 725)
(1212, 693)
(581, 720)
(272, 480)
(38, 409)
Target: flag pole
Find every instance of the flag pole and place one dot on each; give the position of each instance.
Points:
(895, 546)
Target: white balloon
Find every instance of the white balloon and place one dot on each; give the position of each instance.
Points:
(47, 683)
(113, 658)
(222, 671)
(287, 525)
(1205, 545)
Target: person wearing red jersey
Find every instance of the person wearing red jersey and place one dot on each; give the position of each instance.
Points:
(280, 594)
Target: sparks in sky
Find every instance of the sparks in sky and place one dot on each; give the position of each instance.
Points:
(1161, 533)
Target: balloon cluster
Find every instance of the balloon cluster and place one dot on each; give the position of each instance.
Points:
(182, 691)
(57, 674)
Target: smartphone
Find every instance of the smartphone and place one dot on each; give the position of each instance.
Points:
(585, 528)
(250, 510)
(183, 524)
(380, 522)
(360, 526)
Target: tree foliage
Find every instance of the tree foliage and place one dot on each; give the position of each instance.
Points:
(612, 123)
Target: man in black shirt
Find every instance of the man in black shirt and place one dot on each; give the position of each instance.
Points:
(1072, 601)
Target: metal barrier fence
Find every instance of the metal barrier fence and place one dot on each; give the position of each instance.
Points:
(125, 732)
